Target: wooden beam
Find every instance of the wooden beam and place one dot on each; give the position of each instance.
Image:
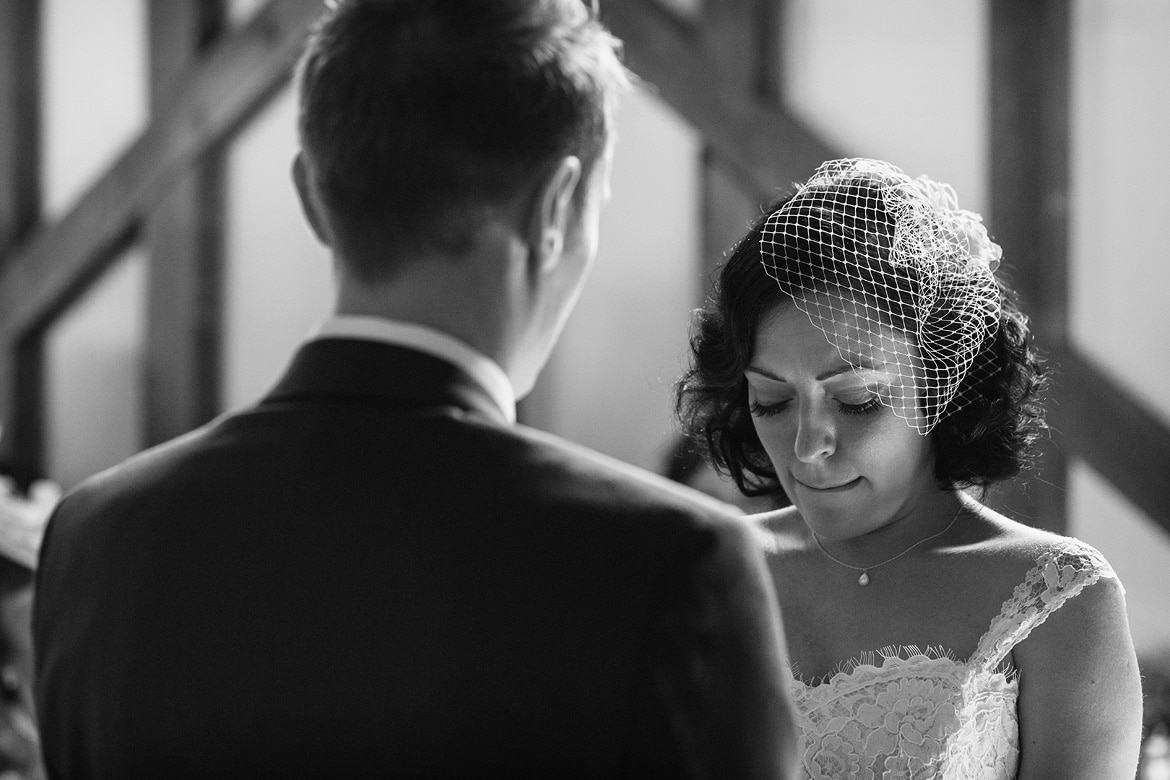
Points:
(19, 120)
(182, 235)
(234, 81)
(20, 195)
(1100, 422)
(763, 142)
(22, 456)
(8, 455)
(770, 71)
(180, 32)
(28, 424)
(728, 36)
(728, 208)
(1029, 202)
(1030, 83)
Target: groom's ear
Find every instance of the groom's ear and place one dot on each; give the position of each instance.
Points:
(551, 212)
(311, 205)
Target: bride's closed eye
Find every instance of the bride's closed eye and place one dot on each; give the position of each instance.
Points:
(862, 408)
(870, 404)
(768, 410)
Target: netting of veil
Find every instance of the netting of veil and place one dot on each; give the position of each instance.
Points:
(896, 275)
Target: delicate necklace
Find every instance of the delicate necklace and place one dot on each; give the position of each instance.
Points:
(864, 578)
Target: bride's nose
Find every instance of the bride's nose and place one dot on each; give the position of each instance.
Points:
(816, 433)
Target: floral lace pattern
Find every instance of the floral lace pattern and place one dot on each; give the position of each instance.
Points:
(925, 714)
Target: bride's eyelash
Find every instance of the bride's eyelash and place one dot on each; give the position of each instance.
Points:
(767, 410)
(863, 408)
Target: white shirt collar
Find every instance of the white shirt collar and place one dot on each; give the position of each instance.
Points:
(479, 366)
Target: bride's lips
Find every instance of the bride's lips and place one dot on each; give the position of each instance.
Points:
(830, 488)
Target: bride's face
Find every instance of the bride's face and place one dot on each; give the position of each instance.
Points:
(849, 464)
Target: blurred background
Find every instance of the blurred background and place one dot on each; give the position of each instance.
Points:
(155, 269)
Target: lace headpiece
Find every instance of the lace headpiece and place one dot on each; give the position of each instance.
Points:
(896, 275)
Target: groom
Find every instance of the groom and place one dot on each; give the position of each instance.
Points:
(375, 571)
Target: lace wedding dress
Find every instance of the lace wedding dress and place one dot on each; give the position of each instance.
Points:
(924, 714)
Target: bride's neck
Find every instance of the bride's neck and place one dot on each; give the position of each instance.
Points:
(929, 514)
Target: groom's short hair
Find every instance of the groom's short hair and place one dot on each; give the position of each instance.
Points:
(417, 116)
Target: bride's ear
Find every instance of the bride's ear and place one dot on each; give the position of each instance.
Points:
(551, 213)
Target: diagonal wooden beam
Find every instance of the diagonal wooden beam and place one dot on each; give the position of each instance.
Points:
(1099, 421)
(237, 77)
(765, 144)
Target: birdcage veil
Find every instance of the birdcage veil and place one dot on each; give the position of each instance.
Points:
(897, 277)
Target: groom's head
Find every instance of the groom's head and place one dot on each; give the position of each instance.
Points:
(462, 145)
(420, 119)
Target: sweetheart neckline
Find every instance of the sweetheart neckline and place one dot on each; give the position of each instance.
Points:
(902, 656)
(1006, 623)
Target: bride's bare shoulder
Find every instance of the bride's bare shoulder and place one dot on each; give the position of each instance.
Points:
(998, 535)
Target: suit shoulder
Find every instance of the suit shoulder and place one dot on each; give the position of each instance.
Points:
(603, 475)
(109, 495)
(628, 511)
(141, 465)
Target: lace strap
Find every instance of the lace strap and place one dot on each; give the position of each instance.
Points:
(1061, 573)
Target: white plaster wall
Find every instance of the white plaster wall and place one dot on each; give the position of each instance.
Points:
(609, 382)
(93, 103)
(1135, 547)
(93, 375)
(900, 80)
(1120, 274)
(277, 279)
(94, 91)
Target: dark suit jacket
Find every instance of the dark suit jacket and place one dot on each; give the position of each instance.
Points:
(371, 573)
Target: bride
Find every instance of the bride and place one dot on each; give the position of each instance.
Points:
(860, 354)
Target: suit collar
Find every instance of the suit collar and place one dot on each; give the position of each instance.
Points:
(432, 341)
(373, 371)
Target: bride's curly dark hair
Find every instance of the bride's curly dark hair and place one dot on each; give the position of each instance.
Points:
(987, 440)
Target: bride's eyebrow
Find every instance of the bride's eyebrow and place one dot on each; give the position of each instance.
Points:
(764, 373)
(861, 364)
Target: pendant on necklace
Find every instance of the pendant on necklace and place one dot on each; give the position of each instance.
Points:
(864, 578)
